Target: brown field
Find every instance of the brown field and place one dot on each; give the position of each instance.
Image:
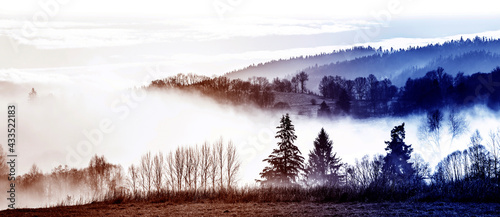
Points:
(267, 209)
(301, 103)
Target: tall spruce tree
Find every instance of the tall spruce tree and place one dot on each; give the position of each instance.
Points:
(396, 167)
(323, 165)
(286, 161)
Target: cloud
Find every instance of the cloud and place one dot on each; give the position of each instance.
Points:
(60, 35)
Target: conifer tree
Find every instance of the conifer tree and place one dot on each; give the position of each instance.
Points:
(286, 161)
(396, 167)
(323, 165)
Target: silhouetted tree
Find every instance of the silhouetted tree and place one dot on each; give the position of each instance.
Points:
(295, 84)
(365, 172)
(434, 120)
(158, 171)
(397, 168)
(324, 110)
(205, 163)
(232, 165)
(421, 168)
(457, 124)
(494, 146)
(146, 172)
(133, 181)
(302, 77)
(360, 85)
(344, 102)
(220, 157)
(373, 91)
(179, 162)
(478, 156)
(286, 161)
(323, 165)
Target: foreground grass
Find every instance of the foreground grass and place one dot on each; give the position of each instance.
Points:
(265, 209)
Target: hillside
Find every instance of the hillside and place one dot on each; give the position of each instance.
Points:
(301, 104)
(468, 56)
(283, 68)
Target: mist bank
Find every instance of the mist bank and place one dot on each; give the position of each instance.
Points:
(123, 125)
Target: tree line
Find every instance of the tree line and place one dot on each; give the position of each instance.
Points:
(465, 55)
(256, 90)
(196, 169)
(210, 172)
(205, 171)
(361, 97)
(399, 175)
(369, 97)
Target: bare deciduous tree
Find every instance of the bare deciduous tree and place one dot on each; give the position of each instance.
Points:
(146, 172)
(213, 168)
(179, 167)
(457, 124)
(205, 162)
(133, 175)
(220, 158)
(188, 162)
(478, 157)
(232, 166)
(158, 165)
(422, 168)
(494, 146)
(171, 172)
(195, 155)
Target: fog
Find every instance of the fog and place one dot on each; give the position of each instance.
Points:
(68, 129)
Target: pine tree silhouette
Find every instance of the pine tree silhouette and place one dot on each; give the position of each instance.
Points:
(323, 165)
(396, 167)
(286, 161)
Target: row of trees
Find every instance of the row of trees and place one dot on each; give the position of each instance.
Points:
(204, 169)
(199, 170)
(368, 96)
(286, 165)
(257, 90)
(64, 185)
(361, 97)
(475, 163)
(297, 84)
(212, 169)
(469, 56)
(473, 173)
(438, 89)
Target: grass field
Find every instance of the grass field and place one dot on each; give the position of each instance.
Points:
(266, 209)
(300, 104)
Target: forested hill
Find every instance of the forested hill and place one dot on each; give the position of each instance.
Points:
(465, 55)
(285, 67)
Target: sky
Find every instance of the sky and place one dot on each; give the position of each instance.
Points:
(77, 49)
(118, 39)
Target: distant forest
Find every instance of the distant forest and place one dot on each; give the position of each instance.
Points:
(361, 97)
(469, 56)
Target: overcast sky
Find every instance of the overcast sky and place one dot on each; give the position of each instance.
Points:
(216, 36)
(195, 9)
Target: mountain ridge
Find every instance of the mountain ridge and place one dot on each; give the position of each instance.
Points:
(473, 55)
